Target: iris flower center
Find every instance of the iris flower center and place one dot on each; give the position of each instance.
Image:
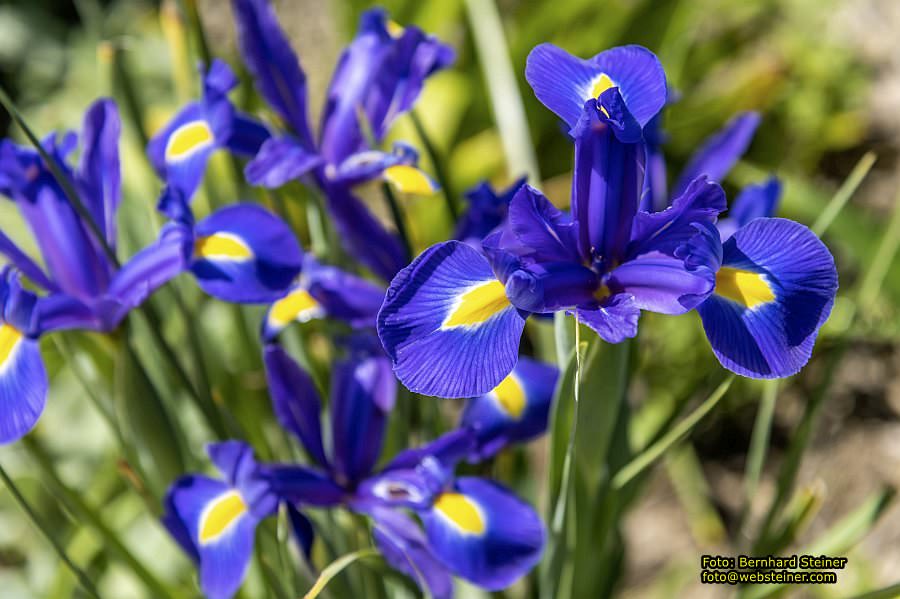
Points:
(478, 304)
(461, 511)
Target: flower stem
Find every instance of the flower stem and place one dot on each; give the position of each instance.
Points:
(44, 529)
(439, 171)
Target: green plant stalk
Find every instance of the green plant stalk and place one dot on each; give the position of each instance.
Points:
(647, 457)
(844, 193)
(881, 263)
(506, 101)
(202, 45)
(335, 568)
(440, 171)
(44, 529)
(130, 97)
(839, 538)
(759, 444)
(78, 506)
(397, 214)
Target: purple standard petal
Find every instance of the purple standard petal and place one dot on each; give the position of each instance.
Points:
(273, 63)
(606, 188)
(380, 73)
(295, 400)
(279, 161)
(99, 175)
(516, 410)
(665, 231)
(773, 293)
(543, 233)
(235, 461)
(487, 210)
(72, 256)
(243, 253)
(363, 393)
(26, 265)
(362, 235)
(405, 548)
(247, 135)
(448, 325)
(563, 82)
(755, 201)
(719, 153)
(342, 295)
(484, 533)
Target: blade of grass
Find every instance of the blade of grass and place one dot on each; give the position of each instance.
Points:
(335, 568)
(84, 512)
(647, 457)
(838, 539)
(759, 444)
(506, 101)
(44, 529)
(891, 592)
(397, 214)
(844, 193)
(438, 161)
(884, 257)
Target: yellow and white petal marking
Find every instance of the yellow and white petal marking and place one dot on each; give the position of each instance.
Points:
(298, 305)
(187, 140)
(222, 246)
(220, 515)
(599, 84)
(394, 29)
(461, 512)
(750, 289)
(510, 397)
(477, 304)
(9, 342)
(408, 179)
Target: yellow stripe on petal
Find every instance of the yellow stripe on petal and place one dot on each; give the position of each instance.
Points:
(298, 305)
(409, 179)
(462, 512)
(478, 305)
(750, 289)
(222, 246)
(600, 84)
(188, 139)
(223, 512)
(511, 397)
(9, 341)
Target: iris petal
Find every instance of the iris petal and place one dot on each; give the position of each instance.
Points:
(23, 384)
(484, 533)
(421, 324)
(245, 254)
(563, 82)
(777, 293)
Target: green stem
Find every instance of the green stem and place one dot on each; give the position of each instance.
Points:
(675, 434)
(844, 193)
(44, 529)
(759, 444)
(506, 101)
(436, 160)
(193, 14)
(335, 568)
(76, 504)
(397, 215)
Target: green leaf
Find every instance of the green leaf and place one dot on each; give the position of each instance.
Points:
(146, 422)
(335, 567)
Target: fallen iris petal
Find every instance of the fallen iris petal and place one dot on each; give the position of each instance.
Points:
(447, 326)
(774, 292)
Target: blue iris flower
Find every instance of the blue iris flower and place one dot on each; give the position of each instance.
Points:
(472, 527)
(487, 211)
(378, 77)
(452, 320)
(80, 285)
(777, 283)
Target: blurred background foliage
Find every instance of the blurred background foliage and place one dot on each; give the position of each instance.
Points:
(825, 76)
